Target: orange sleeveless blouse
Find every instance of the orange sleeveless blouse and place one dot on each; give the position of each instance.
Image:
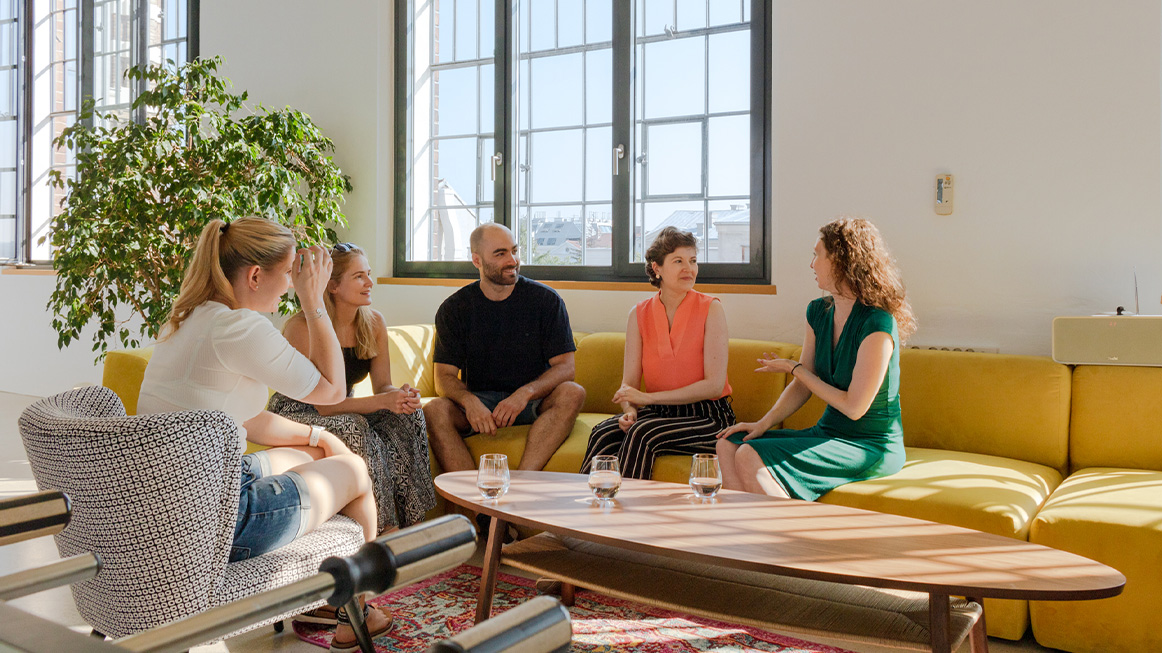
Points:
(672, 358)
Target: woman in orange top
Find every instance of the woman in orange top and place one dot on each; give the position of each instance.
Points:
(677, 341)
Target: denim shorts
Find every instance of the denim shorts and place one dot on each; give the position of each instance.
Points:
(490, 398)
(273, 510)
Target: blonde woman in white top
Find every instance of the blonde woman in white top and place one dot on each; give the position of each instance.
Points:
(219, 353)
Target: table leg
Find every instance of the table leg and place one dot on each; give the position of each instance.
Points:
(491, 564)
(938, 623)
(978, 636)
(568, 594)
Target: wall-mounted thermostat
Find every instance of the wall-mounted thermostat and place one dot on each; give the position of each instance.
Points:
(944, 195)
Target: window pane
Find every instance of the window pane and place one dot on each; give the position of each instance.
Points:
(729, 231)
(487, 99)
(445, 41)
(692, 14)
(468, 27)
(8, 143)
(455, 164)
(599, 86)
(543, 29)
(8, 193)
(487, 188)
(557, 236)
(730, 71)
(487, 30)
(598, 235)
(556, 91)
(570, 23)
(674, 159)
(659, 14)
(599, 164)
(454, 102)
(729, 159)
(675, 78)
(598, 21)
(652, 217)
(555, 166)
(8, 92)
(723, 12)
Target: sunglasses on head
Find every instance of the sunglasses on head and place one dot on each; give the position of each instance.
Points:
(343, 248)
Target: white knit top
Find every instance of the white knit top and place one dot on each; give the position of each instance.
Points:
(224, 359)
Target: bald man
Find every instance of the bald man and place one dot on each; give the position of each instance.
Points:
(504, 356)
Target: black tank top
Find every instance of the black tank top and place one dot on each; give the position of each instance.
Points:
(357, 368)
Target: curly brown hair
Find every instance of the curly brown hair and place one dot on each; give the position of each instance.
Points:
(864, 266)
(667, 240)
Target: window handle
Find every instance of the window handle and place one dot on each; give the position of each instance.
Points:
(618, 155)
(497, 161)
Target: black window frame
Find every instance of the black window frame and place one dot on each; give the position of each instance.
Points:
(506, 138)
(85, 77)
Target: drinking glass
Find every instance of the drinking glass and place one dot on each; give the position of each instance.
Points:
(492, 479)
(604, 479)
(705, 475)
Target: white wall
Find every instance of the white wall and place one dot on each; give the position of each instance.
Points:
(30, 363)
(1047, 111)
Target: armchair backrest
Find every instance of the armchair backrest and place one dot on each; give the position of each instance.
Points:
(155, 496)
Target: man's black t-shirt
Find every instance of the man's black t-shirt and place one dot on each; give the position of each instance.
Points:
(502, 345)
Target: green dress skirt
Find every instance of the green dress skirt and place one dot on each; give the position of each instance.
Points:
(809, 463)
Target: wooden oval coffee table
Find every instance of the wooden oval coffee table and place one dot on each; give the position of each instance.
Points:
(786, 537)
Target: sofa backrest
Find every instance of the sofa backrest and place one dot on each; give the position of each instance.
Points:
(599, 366)
(1116, 417)
(993, 404)
(410, 348)
(123, 372)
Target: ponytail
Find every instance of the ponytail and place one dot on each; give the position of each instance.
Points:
(222, 250)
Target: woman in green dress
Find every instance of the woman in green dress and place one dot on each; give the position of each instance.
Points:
(851, 360)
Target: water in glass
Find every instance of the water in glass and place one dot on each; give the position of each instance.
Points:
(604, 478)
(705, 475)
(492, 479)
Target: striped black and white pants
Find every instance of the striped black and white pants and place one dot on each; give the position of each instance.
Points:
(659, 431)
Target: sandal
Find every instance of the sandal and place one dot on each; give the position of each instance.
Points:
(324, 615)
(348, 642)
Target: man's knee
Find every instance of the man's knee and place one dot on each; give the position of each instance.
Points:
(439, 413)
(569, 395)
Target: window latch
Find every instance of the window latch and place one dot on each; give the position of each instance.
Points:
(497, 161)
(618, 155)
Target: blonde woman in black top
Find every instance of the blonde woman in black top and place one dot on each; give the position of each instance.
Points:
(387, 428)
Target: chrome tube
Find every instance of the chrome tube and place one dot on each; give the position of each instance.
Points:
(33, 515)
(225, 619)
(537, 626)
(65, 572)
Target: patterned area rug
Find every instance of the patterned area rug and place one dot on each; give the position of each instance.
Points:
(444, 605)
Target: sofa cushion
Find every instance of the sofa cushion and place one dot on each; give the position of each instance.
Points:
(987, 493)
(1115, 417)
(511, 442)
(123, 372)
(1114, 516)
(598, 369)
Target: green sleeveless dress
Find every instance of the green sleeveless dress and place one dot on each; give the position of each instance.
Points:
(809, 463)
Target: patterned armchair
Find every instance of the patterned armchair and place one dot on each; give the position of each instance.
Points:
(156, 496)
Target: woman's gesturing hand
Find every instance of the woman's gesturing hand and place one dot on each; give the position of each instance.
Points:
(752, 430)
(310, 272)
(632, 395)
(772, 363)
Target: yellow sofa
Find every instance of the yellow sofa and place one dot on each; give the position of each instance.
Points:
(992, 441)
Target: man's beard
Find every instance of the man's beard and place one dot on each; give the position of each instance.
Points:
(496, 275)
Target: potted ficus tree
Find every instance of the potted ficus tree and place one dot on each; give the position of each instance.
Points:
(144, 190)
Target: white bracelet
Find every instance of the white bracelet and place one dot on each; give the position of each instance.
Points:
(316, 431)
